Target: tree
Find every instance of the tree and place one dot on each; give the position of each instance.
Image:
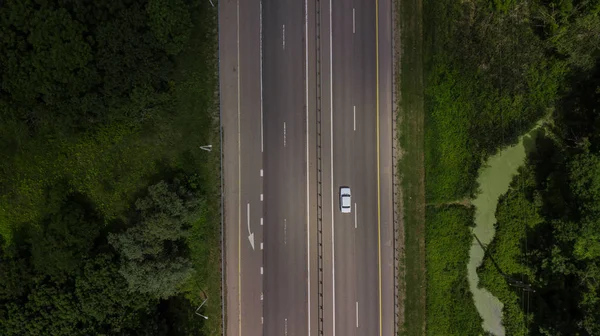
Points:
(58, 246)
(170, 22)
(154, 256)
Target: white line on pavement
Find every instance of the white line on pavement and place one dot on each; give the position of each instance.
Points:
(353, 21)
(331, 130)
(261, 85)
(261, 270)
(237, 69)
(261, 173)
(355, 216)
(284, 135)
(285, 232)
(261, 246)
(283, 34)
(261, 221)
(354, 115)
(308, 279)
(261, 197)
(357, 314)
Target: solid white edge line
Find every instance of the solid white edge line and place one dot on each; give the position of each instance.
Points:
(239, 175)
(307, 165)
(261, 85)
(331, 130)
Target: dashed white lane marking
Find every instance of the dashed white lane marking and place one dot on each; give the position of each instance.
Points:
(261, 221)
(261, 173)
(261, 270)
(357, 314)
(283, 33)
(262, 320)
(261, 197)
(261, 296)
(353, 21)
(285, 328)
(261, 246)
(355, 217)
(285, 231)
(354, 115)
(284, 135)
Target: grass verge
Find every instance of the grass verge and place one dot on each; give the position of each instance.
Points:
(411, 170)
(199, 92)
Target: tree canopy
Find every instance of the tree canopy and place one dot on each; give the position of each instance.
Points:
(72, 64)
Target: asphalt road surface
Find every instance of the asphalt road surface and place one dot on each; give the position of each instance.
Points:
(323, 88)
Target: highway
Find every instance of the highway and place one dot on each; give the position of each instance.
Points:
(306, 96)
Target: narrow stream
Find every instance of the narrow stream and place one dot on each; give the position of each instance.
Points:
(494, 178)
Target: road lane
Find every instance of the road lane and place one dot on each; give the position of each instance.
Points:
(241, 122)
(346, 161)
(286, 253)
(357, 286)
(364, 89)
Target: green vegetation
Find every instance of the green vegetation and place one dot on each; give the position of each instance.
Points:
(548, 228)
(109, 211)
(411, 170)
(487, 81)
(492, 69)
(450, 307)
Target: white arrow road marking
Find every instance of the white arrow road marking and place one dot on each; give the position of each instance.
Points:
(250, 234)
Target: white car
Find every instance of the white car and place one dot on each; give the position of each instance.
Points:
(345, 200)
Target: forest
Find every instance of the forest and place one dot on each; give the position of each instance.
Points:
(492, 70)
(109, 210)
(548, 228)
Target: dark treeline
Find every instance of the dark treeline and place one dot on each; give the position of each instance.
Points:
(91, 119)
(72, 275)
(69, 64)
(493, 69)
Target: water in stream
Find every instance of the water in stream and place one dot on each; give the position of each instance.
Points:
(494, 179)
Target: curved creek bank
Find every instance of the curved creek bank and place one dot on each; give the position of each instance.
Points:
(494, 178)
